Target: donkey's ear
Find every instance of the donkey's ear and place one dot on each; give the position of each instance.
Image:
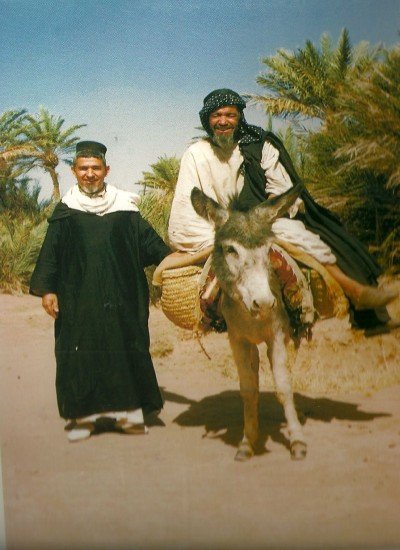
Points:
(207, 208)
(278, 206)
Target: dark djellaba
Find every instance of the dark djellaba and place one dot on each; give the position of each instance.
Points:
(90, 275)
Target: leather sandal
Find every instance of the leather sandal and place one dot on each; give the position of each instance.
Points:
(134, 429)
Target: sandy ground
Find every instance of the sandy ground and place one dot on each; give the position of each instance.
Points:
(179, 487)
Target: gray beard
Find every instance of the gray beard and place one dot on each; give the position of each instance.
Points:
(225, 142)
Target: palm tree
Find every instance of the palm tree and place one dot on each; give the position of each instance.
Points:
(11, 125)
(39, 142)
(11, 136)
(155, 205)
(351, 155)
(369, 117)
(367, 126)
(163, 175)
(47, 141)
(306, 83)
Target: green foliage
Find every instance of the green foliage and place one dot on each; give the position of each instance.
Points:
(163, 175)
(35, 141)
(19, 197)
(12, 125)
(46, 134)
(155, 204)
(26, 141)
(357, 151)
(20, 242)
(306, 83)
(350, 161)
(292, 143)
(155, 207)
(48, 141)
(368, 121)
(389, 251)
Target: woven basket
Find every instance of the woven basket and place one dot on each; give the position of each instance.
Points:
(180, 299)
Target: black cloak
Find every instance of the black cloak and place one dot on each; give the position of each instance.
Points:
(351, 256)
(94, 264)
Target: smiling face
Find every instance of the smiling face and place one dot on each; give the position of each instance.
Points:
(90, 173)
(224, 122)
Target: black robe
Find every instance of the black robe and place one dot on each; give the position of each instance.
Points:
(351, 256)
(94, 264)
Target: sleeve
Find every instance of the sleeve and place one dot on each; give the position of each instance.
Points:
(187, 231)
(277, 179)
(152, 247)
(45, 275)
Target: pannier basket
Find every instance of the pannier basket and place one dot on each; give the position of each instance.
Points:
(180, 298)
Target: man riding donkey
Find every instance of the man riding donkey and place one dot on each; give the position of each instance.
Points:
(244, 160)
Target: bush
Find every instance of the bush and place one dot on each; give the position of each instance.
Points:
(20, 242)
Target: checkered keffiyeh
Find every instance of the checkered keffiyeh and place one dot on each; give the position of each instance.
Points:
(222, 98)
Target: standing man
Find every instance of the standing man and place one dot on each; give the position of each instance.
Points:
(91, 280)
(239, 159)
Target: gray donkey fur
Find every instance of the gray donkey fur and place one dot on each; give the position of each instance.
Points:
(252, 306)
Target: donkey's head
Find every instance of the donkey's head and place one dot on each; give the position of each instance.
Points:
(241, 246)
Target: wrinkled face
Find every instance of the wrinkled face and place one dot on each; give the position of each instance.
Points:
(90, 173)
(244, 271)
(224, 121)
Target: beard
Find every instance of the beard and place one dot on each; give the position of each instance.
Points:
(225, 142)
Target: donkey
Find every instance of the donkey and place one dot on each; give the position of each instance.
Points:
(252, 306)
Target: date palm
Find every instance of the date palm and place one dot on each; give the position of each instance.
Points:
(156, 203)
(368, 123)
(163, 174)
(158, 190)
(39, 141)
(48, 142)
(12, 125)
(306, 83)
(368, 116)
(352, 155)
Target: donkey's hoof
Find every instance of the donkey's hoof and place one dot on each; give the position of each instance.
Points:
(245, 452)
(298, 450)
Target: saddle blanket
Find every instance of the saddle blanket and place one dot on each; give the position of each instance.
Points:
(308, 292)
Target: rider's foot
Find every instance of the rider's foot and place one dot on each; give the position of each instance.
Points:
(373, 298)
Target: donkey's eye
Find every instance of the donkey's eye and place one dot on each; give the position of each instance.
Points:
(231, 250)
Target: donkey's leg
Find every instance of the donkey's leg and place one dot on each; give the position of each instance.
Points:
(278, 358)
(247, 362)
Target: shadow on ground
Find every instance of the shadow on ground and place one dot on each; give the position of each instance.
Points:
(222, 415)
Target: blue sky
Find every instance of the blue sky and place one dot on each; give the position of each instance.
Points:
(136, 71)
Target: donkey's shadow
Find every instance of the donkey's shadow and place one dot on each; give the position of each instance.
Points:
(222, 415)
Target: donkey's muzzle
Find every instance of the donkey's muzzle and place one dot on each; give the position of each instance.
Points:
(260, 309)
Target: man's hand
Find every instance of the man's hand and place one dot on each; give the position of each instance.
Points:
(50, 304)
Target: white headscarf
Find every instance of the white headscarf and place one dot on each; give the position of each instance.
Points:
(109, 200)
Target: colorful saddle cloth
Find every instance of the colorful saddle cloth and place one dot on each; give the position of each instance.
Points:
(308, 291)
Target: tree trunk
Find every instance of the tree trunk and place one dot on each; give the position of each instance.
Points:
(56, 184)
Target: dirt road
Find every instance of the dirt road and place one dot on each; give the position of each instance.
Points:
(179, 487)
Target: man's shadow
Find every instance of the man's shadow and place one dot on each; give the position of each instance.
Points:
(222, 415)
